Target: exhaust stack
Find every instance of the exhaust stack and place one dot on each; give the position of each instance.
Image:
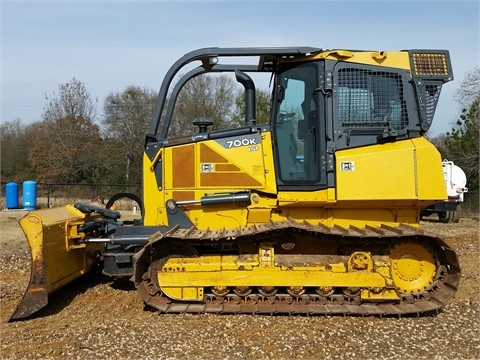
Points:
(249, 86)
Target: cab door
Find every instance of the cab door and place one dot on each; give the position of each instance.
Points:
(298, 126)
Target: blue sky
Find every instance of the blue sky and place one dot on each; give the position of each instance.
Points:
(109, 45)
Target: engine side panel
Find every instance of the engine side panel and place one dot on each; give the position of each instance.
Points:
(400, 171)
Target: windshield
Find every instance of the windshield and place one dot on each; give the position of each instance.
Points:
(295, 125)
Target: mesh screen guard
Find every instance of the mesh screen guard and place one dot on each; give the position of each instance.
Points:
(430, 70)
(369, 98)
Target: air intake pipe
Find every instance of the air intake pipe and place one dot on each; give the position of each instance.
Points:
(249, 86)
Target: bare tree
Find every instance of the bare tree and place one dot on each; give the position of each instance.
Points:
(127, 116)
(73, 101)
(469, 89)
(207, 96)
(67, 145)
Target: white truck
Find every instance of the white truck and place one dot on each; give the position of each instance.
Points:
(455, 181)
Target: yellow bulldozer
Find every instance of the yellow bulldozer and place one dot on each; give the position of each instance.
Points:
(316, 212)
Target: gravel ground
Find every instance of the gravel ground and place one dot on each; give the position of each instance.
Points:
(103, 319)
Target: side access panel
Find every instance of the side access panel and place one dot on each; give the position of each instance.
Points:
(402, 170)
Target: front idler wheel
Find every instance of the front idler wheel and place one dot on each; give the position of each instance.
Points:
(413, 267)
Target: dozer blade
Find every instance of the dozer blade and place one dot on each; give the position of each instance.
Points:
(56, 256)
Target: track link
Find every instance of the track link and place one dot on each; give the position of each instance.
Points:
(432, 299)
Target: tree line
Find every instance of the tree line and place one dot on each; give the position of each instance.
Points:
(461, 144)
(71, 144)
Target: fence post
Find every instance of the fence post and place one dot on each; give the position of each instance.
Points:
(49, 205)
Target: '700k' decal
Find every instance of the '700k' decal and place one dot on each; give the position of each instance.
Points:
(252, 141)
(241, 142)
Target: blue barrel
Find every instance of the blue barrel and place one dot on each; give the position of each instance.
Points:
(29, 195)
(11, 195)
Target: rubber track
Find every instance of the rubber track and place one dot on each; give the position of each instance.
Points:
(431, 300)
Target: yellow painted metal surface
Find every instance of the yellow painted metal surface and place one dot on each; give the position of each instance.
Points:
(400, 171)
(56, 257)
(385, 294)
(384, 183)
(214, 165)
(430, 182)
(272, 276)
(153, 192)
(306, 198)
(51, 235)
(190, 293)
(378, 184)
(377, 172)
(396, 59)
(192, 170)
(413, 267)
(182, 278)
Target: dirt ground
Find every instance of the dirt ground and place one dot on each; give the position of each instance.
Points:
(106, 319)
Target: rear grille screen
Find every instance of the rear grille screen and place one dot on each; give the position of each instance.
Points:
(428, 103)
